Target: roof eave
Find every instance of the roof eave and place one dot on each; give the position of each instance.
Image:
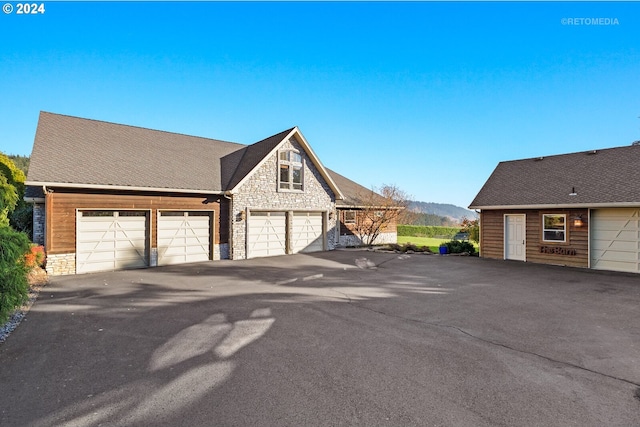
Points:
(558, 206)
(119, 187)
(399, 208)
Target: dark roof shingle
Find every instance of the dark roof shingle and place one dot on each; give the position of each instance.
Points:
(600, 177)
(82, 151)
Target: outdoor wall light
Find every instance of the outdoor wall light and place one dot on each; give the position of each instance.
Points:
(577, 221)
(241, 216)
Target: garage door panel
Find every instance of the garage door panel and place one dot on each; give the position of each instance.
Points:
(111, 240)
(616, 255)
(96, 236)
(184, 237)
(615, 239)
(616, 234)
(306, 233)
(623, 245)
(95, 267)
(96, 256)
(266, 234)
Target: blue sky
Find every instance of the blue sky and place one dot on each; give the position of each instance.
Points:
(428, 96)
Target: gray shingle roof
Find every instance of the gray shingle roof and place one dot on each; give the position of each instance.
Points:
(81, 151)
(352, 191)
(253, 154)
(600, 177)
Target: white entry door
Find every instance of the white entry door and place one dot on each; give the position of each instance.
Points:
(266, 234)
(515, 237)
(183, 237)
(111, 240)
(306, 232)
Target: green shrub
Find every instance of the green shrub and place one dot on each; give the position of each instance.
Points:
(14, 287)
(408, 247)
(22, 218)
(458, 247)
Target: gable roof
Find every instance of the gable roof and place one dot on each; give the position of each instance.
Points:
(608, 177)
(256, 154)
(75, 152)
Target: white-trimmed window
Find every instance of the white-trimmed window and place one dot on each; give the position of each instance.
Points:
(554, 227)
(349, 217)
(290, 170)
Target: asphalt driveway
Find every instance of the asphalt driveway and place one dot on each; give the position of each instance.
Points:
(349, 338)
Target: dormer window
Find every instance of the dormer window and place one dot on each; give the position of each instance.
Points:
(290, 170)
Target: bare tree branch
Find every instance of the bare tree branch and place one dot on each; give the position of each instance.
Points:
(378, 211)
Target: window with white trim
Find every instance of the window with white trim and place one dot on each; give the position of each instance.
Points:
(554, 227)
(290, 170)
(349, 217)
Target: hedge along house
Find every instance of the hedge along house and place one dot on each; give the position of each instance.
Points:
(580, 209)
(109, 196)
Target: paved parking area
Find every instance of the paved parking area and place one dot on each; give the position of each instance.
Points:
(342, 338)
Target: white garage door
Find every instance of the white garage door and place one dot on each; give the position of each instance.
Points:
(183, 237)
(306, 232)
(267, 234)
(615, 239)
(111, 240)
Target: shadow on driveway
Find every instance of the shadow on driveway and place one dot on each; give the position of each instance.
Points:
(325, 339)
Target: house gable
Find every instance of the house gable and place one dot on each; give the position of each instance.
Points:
(259, 153)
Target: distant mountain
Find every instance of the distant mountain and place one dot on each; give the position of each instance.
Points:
(453, 212)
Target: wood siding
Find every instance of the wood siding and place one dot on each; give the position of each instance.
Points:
(577, 238)
(61, 206)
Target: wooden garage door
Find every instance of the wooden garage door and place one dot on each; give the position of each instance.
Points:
(183, 237)
(306, 232)
(615, 239)
(267, 234)
(111, 240)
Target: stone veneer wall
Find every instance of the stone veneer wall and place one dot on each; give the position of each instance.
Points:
(353, 240)
(60, 264)
(260, 192)
(38, 223)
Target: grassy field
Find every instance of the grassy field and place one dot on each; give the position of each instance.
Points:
(431, 242)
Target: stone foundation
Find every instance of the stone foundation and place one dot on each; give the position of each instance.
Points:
(61, 264)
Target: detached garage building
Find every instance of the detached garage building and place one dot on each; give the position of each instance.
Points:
(108, 196)
(579, 209)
